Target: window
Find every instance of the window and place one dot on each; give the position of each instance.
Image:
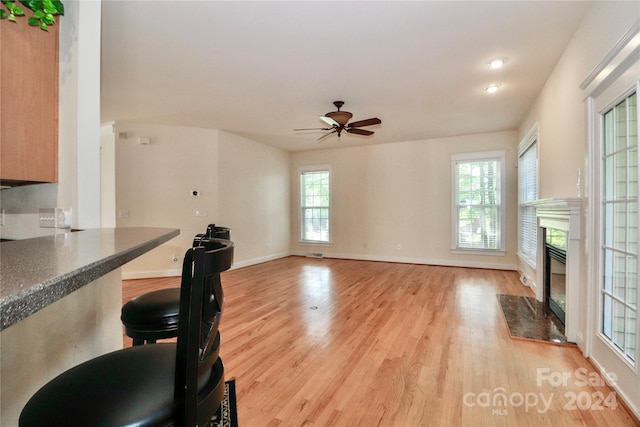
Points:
(314, 204)
(619, 281)
(478, 201)
(527, 193)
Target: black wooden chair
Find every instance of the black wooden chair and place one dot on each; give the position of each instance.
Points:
(164, 384)
(154, 315)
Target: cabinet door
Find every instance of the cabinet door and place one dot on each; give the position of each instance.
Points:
(28, 103)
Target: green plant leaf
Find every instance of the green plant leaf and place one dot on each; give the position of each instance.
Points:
(14, 9)
(53, 7)
(33, 4)
(59, 6)
(44, 11)
(49, 7)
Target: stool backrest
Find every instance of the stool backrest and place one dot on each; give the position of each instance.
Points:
(201, 306)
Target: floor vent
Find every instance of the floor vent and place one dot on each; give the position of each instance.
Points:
(314, 254)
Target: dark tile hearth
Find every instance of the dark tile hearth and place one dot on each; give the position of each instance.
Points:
(528, 318)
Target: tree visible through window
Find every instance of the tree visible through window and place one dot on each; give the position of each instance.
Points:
(314, 205)
(478, 196)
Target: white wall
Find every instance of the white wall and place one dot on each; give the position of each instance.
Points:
(153, 187)
(108, 176)
(242, 184)
(560, 109)
(254, 198)
(400, 194)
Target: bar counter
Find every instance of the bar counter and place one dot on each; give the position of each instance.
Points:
(60, 301)
(39, 271)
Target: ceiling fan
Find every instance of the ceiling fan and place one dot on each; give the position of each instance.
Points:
(339, 121)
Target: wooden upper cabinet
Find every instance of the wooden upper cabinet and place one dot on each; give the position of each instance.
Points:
(28, 103)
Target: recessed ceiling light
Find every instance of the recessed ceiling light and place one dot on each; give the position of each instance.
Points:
(497, 63)
(492, 88)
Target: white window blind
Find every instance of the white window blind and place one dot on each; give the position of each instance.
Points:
(527, 193)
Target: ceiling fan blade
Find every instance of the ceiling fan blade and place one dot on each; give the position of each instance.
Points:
(329, 121)
(327, 134)
(359, 131)
(367, 122)
(315, 129)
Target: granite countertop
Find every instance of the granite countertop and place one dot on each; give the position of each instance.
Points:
(37, 272)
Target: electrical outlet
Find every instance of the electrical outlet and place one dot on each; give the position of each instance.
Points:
(47, 218)
(55, 217)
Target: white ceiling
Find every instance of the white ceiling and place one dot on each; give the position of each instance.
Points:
(261, 69)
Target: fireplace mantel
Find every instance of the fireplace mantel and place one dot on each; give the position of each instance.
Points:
(562, 214)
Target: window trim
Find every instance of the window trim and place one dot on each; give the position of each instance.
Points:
(532, 137)
(314, 168)
(499, 155)
(634, 363)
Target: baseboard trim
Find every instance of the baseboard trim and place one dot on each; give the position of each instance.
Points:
(177, 272)
(150, 274)
(625, 400)
(358, 257)
(259, 260)
(422, 261)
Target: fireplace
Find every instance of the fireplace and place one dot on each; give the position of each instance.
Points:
(555, 272)
(559, 224)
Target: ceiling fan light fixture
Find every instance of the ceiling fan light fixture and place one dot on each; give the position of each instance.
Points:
(342, 117)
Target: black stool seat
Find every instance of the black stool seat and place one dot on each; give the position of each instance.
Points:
(128, 387)
(156, 385)
(152, 316)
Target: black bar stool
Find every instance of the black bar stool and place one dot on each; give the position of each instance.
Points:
(154, 315)
(150, 385)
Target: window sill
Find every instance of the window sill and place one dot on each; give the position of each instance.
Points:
(632, 365)
(314, 242)
(485, 252)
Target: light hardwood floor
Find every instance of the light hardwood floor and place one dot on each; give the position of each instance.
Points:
(355, 343)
